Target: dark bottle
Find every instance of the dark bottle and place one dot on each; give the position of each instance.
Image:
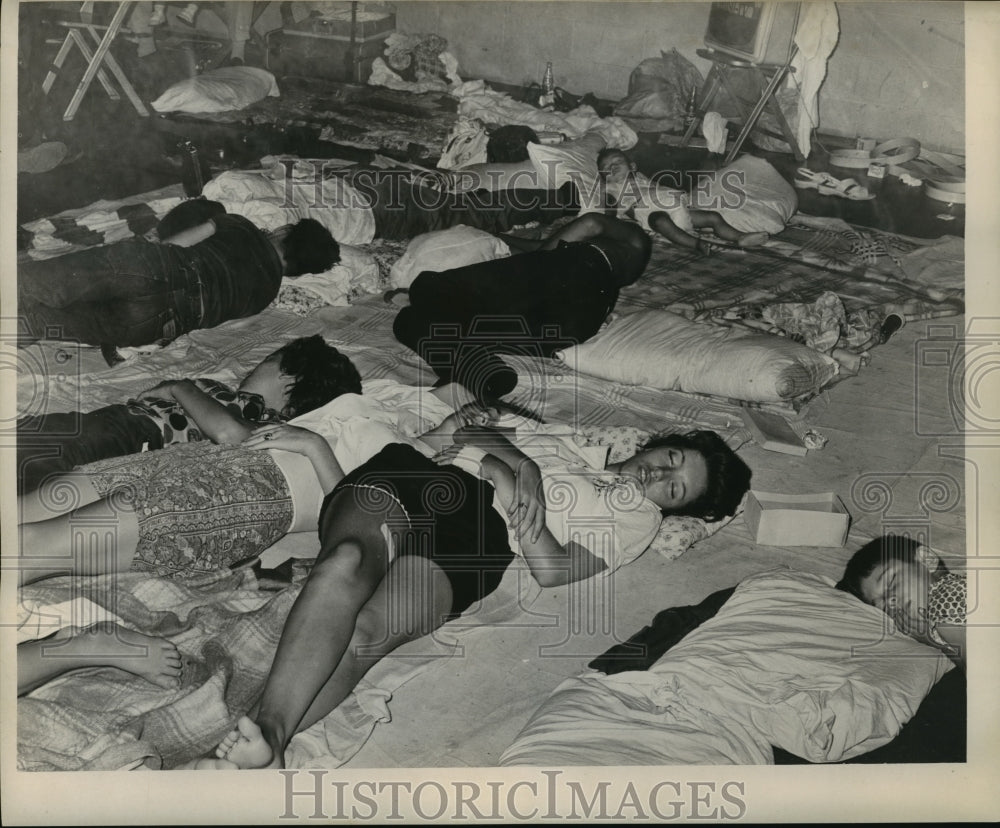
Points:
(193, 169)
(691, 110)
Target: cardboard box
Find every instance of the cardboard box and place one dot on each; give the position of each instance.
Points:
(796, 520)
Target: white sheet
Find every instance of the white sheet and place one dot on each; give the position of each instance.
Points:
(788, 661)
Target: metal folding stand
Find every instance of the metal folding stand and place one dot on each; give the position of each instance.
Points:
(97, 58)
(768, 77)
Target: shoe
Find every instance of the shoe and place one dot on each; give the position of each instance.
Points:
(826, 184)
(189, 14)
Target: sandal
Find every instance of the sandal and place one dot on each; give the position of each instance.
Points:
(806, 179)
(848, 188)
(826, 184)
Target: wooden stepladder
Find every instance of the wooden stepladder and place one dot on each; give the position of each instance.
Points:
(97, 58)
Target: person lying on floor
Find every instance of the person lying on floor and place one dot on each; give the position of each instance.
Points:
(298, 377)
(534, 303)
(361, 203)
(915, 588)
(517, 160)
(664, 210)
(397, 561)
(785, 667)
(138, 292)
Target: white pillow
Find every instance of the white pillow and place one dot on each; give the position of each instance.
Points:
(574, 161)
(762, 200)
(663, 350)
(218, 90)
(269, 201)
(445, 249)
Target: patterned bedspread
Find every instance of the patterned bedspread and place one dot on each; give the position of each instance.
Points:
(409, 126)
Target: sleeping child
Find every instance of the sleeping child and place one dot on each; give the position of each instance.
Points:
(300, 376)
(911, 585)
(664, 210)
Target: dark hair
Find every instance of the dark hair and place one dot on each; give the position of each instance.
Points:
(309, 247)
(319, 372)
(728, 475)
(607, 152)
(186, 215)
(872, 554)
(509, 144)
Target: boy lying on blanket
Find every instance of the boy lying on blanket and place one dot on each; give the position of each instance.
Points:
(297, 378)
(783, 665)
(664, 210)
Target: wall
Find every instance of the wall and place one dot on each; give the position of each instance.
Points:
(898, 68)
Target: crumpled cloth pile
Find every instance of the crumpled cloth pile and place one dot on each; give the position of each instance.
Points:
(415, 63)
(824, 325)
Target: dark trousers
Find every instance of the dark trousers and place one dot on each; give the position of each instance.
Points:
(56, 443)
(530, 304)
(126, 293)
(404, 208)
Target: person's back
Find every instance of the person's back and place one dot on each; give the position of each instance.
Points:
(534, 303)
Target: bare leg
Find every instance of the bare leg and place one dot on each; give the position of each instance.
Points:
(92, 540)
(412, 601)
(724, 230)
(102, 645)
(347, 572)
(57, 496)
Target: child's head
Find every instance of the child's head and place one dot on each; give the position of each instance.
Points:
(308, 247)
(509, 144)
(614, 165)
(303, 375)
(693, 474)
(888, 573)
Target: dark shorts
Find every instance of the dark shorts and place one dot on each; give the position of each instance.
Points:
(52, 444)
(452, 519)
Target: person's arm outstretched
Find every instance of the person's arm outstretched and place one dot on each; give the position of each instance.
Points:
(191, 236)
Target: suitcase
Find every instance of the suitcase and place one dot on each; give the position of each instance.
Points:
(321, 48)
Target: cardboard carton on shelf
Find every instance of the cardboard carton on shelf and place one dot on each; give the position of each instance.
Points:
(776, 519)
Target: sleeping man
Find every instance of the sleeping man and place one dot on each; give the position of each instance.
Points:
(534, 303)
(138, 292)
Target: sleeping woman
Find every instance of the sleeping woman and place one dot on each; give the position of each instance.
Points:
(409, 542)
(191, 508)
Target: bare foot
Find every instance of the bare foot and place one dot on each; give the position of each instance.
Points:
(111, 645)
(752, 239)
(247, 747)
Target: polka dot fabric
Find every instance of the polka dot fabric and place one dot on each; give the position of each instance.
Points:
(177, 427)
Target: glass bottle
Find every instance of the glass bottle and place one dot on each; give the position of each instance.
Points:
(548, 96)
